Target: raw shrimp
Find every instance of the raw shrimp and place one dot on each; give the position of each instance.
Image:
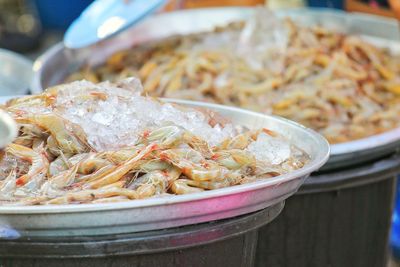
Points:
(165, 136)
(181, 187)
(90, 195)
(8, 186)
(71, 140)
(192, 164)
(36, 158)
(234, 159)
(123, 169)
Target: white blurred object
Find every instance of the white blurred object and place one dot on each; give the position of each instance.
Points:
(8, 129)
(15, 73)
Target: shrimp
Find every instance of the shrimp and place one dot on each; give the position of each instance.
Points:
(54, 187)
(119, 184)
(192, 164)
(32, 187)
(88, 162)
(207, 184)
(111, 199)
(123, 169)
(31, 200)
(181, 157)
(153, 165)
(24, 140)
(373, 55)
(52, 147)
(119, 156)
(234, 159)
(34, 100)
(240, 141)
(91, 195)
(8, 186)
(169, 136)
(172, 173)
(32, 131)
(91, 165)
(181, 187)
(165, 136)
(64, 178)
(38, 160)
(203, 174)
(146, 191)
(28, 135)
(197, 144)
(149, 184)
(229, 179)
(68, 136)
(100, 173)
(58, 165)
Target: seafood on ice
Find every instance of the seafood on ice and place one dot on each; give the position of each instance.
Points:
(90, 143)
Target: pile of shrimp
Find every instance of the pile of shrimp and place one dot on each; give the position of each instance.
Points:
(53, 161)
(337, 84)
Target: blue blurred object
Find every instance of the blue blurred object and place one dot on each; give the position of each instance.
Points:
(395, 235)
(338, 4)
(105, 18)
(59, 14)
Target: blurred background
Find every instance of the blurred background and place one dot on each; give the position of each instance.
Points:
(30, 26)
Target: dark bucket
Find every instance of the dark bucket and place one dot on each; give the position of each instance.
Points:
(230, 242)
(336, 219)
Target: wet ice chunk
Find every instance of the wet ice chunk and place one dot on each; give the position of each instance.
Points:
(270, 149)
(102, 119)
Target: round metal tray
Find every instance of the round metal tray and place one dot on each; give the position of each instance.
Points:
(167, 212)
(52, 67)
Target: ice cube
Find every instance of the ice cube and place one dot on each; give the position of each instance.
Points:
(270, 149)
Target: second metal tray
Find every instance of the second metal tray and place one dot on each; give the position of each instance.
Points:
(56, 63)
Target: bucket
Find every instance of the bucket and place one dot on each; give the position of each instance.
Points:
(230, 242)
(340, 218)
(395, 234)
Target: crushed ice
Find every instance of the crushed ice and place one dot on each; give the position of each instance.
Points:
(270, 149)
(123, 114)
(116, 115)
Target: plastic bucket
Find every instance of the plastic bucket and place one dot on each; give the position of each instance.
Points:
(230, 242)
(340, 219)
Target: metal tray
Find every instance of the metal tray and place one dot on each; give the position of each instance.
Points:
(167, 212)
(57, 62)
